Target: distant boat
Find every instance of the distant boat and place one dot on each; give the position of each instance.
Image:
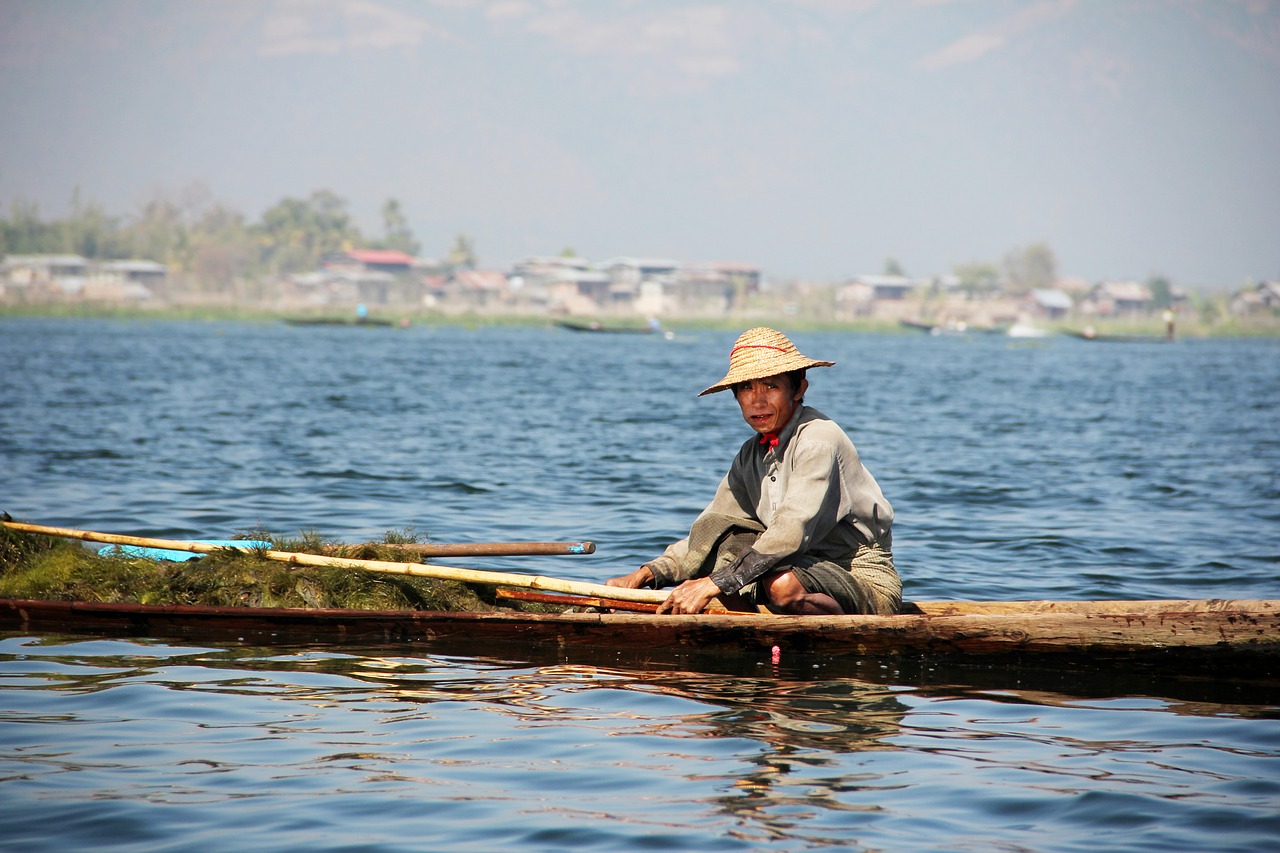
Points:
(951, 327)
(335, 321)
(592, 326)
(1088, 334)
(1026, 330)
(917, 325)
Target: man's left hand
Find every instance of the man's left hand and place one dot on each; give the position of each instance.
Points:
(690, 597)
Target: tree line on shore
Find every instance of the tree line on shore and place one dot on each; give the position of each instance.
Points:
(207, 245)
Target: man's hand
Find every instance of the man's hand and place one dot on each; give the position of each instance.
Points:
(690, 597)
(640, 578)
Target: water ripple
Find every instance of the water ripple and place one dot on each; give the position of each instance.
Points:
(353, 748)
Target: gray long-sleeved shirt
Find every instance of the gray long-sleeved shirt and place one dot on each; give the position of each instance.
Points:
(811, 493)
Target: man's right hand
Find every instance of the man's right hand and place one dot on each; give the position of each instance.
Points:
(640, 578)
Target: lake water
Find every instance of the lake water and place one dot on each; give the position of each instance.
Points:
(1049, 469)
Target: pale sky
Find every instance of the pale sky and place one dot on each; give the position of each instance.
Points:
(812, 138)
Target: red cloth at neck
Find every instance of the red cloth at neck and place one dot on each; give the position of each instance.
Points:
(769, 439)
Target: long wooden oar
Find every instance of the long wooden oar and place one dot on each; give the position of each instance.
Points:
(417, 569)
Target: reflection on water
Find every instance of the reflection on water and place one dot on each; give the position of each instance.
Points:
(438, 751)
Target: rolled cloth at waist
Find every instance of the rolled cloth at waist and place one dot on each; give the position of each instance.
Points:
(867, 583)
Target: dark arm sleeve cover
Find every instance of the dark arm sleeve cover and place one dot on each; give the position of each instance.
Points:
(742, 571)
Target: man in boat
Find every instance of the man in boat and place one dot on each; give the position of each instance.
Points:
(798, 524)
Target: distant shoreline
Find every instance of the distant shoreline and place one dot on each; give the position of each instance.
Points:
(1187, 328)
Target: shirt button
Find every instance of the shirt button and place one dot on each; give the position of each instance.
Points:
(773, 478)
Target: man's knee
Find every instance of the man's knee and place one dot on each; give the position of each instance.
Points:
(783, 590)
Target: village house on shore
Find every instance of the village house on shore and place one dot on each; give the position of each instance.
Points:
(569, 286)
(68, 278)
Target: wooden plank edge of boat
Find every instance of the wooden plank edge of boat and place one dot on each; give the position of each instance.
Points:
(1218, 636)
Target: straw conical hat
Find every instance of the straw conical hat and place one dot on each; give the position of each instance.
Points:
(760, 353)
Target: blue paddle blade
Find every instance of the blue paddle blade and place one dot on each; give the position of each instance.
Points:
(180, 556)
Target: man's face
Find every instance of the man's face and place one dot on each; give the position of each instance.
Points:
(767, 404)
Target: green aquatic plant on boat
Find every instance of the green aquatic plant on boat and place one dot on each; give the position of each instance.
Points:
(42, 567)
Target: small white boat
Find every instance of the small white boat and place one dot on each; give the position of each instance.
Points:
(1026, 330)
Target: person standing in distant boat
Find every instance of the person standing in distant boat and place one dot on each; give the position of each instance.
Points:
(798, 523)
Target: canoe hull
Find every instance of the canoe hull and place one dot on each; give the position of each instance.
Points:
(1235, 638)
(599, 328)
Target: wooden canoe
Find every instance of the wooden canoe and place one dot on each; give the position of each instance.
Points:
(1215, 637)
(335, 321)
(593, 326)
(1088, 335)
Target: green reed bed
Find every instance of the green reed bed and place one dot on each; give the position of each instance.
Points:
(48, 568)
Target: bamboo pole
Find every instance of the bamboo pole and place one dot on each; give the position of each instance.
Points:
(612, 602)
(577, 600)
(416, 569)
(485, 549)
